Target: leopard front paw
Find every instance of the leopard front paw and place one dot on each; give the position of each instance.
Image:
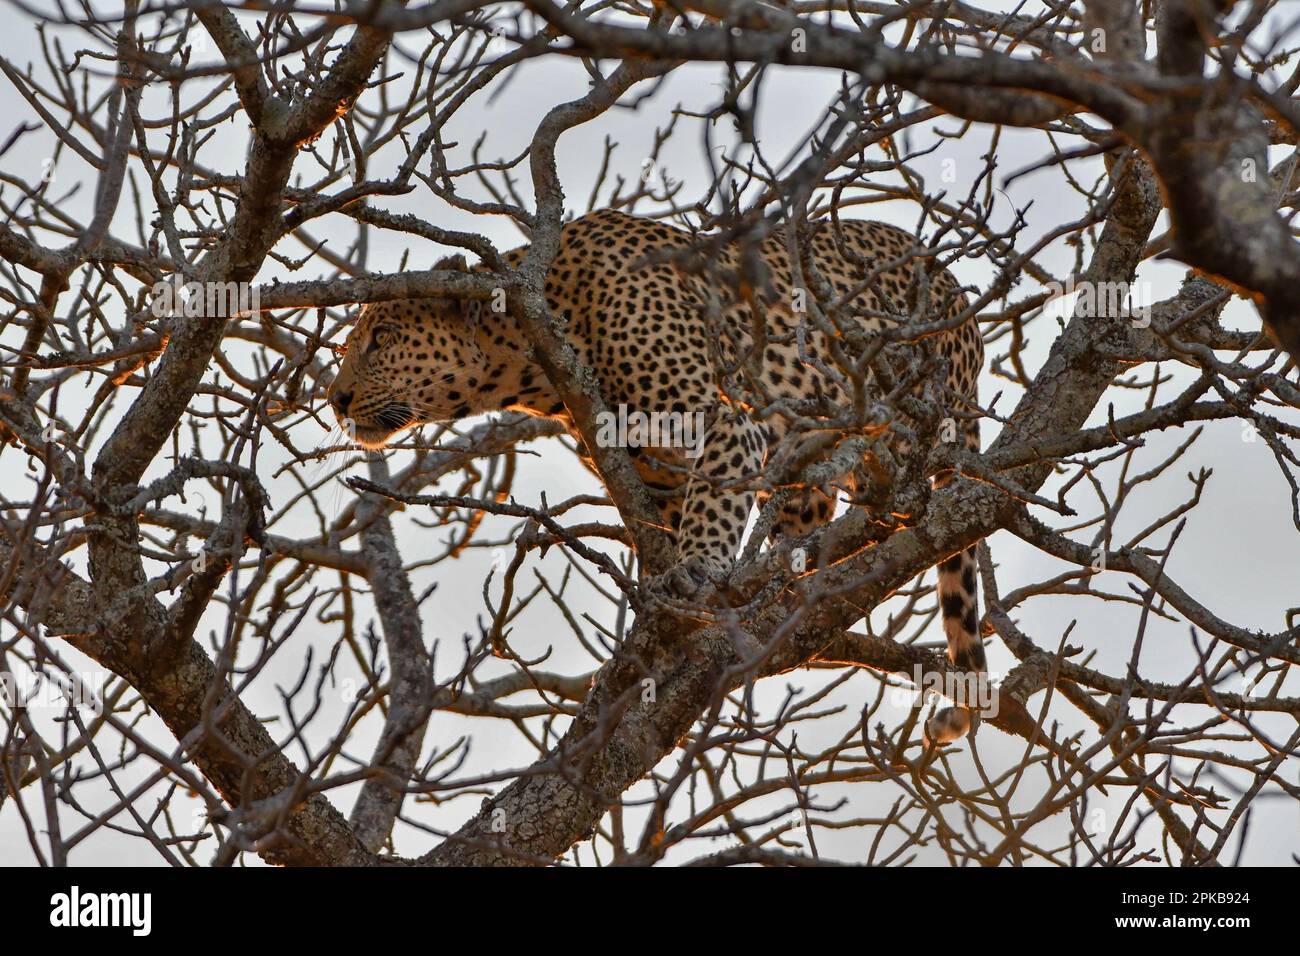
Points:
(689, 577)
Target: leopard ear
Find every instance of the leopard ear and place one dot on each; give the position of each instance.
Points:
(454, 263)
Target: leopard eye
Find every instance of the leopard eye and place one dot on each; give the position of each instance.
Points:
(381, 337)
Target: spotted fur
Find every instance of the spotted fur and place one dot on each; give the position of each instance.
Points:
(664, 336)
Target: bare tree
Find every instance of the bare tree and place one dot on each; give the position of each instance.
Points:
(227, 630)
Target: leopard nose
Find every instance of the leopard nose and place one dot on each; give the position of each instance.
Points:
(341, 401)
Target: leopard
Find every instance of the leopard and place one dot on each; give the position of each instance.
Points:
(676, 324)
